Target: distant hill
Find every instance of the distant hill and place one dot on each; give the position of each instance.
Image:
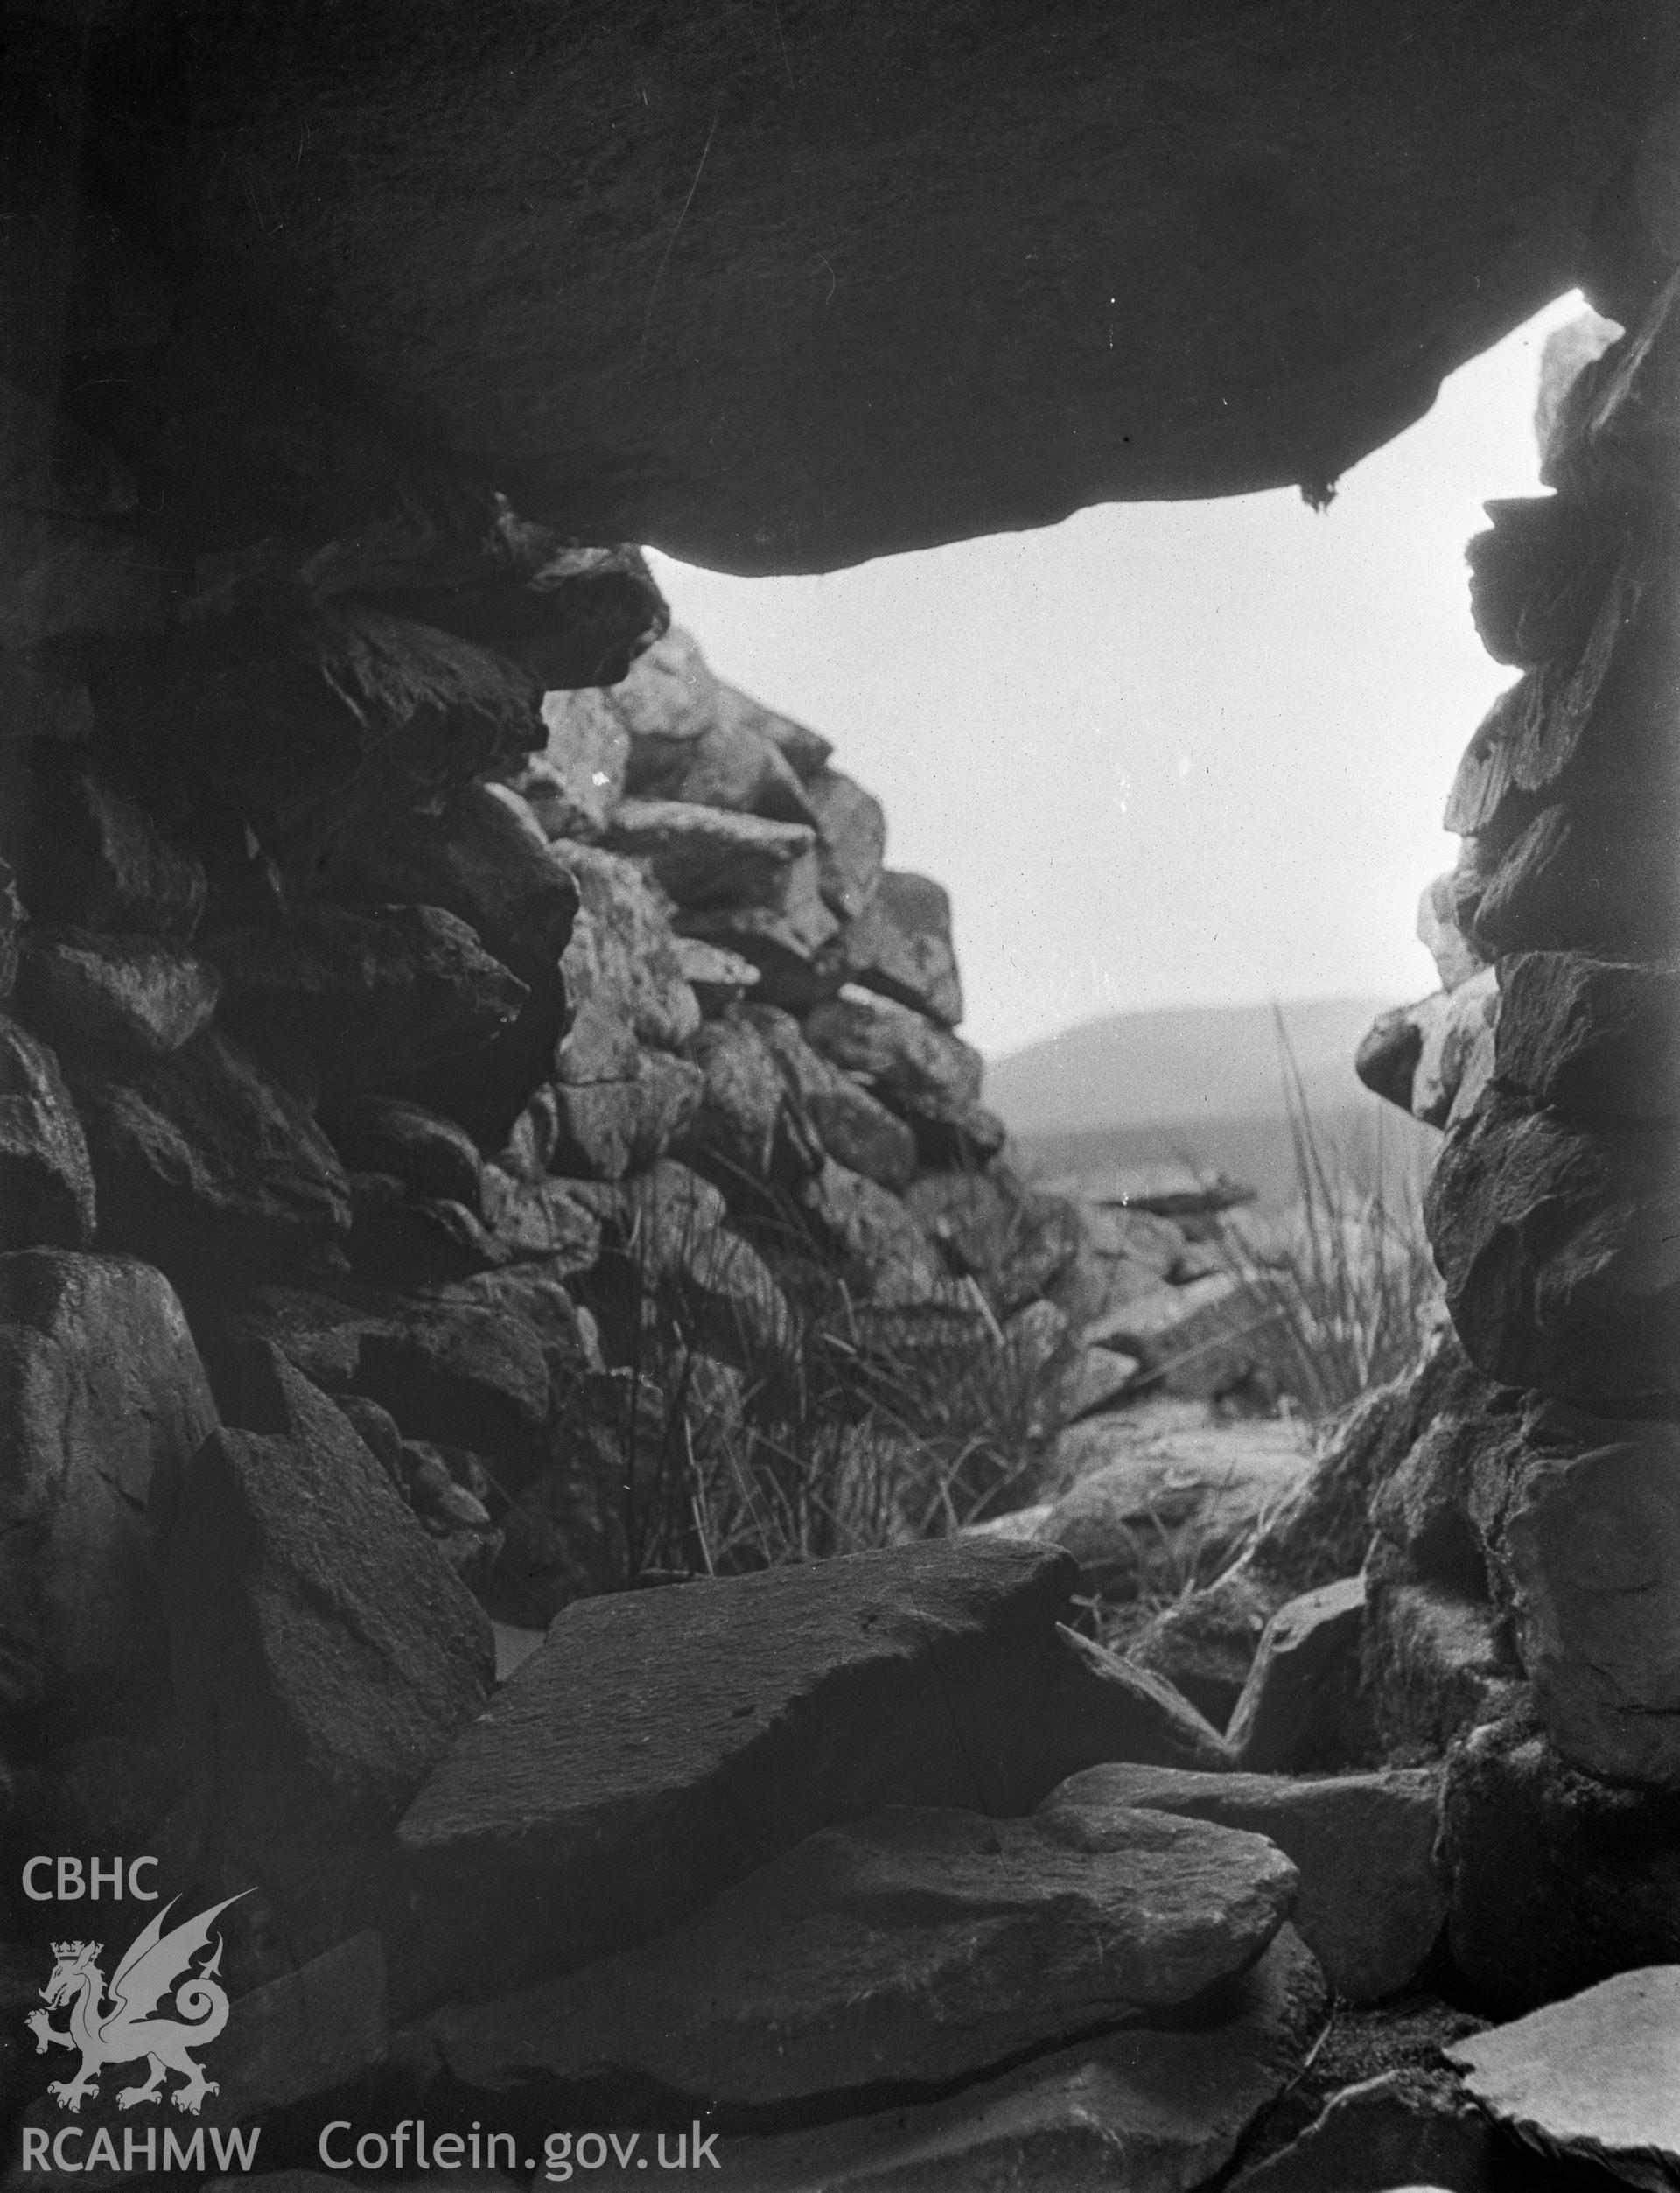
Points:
(1206, 1082)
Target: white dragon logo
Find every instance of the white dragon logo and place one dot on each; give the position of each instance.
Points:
(156, 1964)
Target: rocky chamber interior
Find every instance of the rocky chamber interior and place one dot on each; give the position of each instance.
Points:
(462, 1062)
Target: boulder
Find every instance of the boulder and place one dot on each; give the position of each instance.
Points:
(622, 956)
(1173, 2102)
(46, 1181)
(342, 999)
(1014, 1241)
(577, 779)
(1537, 576)
(1598, 880)
(928, 1076)
(1590, 2080)
(324, 1653)
(707, 856)
(852, 839)
(1094, 1380)
(1598, 1888)
(1301, 1707)
(1201, 1338)
(1560, 1248)
(102, 1399)
(605, 1129)
(1410, 2129)
(748, 1126)
(1369, 1905)
(887, 1256)
(135, 993)
(1440, 931)
(402, 1240)
(901, 946)
(718, 977)
(1437, 1661)
(1455, 1057)
(480, 855)
(430, 1154)
(1388, 1054)
(542, 1219)
(796, 1698)
(206, 1166)
(1141, 1512)
(86, 856)
(1598, 1039)
(319, 727)
(850, 1126)
(730, 762)
(915, 1946)
(789, 937)
(1580, 1520)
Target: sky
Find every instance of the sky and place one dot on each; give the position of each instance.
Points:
(1166, 753)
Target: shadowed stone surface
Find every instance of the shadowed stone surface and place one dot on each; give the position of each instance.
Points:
(1408, 2130)
(46, 1185)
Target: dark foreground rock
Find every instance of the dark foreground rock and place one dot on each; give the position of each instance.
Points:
(1411, 2128)
(46, 1184)
(1592, 2079)
(1369, 1906)
(916, 1947)
(594, 1805)
(1168, 2106)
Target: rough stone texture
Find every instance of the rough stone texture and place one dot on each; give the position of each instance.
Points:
(846, 1120)
(1440, 932)
(1173, 2105)
(1580, 1520)
(544, 1219)
(1093, 1381)
(1388, 1054)
(787, 1701)
(1138, 1507)
(900, 945)
(1594, 877)
(1408, 2129)
(1455, 1060)
(1014, 1241)
(622, 956)
(888, 1257)
(430, 1154)
(203, 1164)
(1590, 2080)
(1596, 1038)
(747, 1126)
(1301, 1706)
(605, 1129)
(928, 1076)
(101, 1393)
(480, 855)
(134, 994)
(1560, 1247)
(1269, 172)
(576, 780)
(1195, 1340)
(731, 763)
(1369, 1905)
(86, 855)
(707, 856)
(718, 977)
(852, 839)
(46, 1184)
(816, 1974)
(1437, 1661)
(792, 938)
(1597, 1887)
(324, 1653)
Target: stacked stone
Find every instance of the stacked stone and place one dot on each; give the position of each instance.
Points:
(1525, 1582)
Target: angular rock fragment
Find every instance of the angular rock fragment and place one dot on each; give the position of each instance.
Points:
(1560, 1248)
(575, 782)
(1015, 1242)
(787, 1701)
(1455, 1059)
(928, 1076)
(1388, 1054)
(544, 1219)
(718, 977)
(886, 1255)
(46, 1183)
(730, 764)
(1600, 879)
(1300, 1708)
(1174, 2103)
(132, 993)
(430, 1154)
(852, 839)
(1369, 1905)
(790, 936)
(1537, 577)
(402, 1240)
(847, 1121)
(1410, 2129)
(605, 1129)
(901, 946)
(1440, 930)
(707, 856)
(1598, 1039)
(747, 1125)
(1436, 1660)
(1197, 1340)
(86, 856)
(622, 957)
(815, 1975)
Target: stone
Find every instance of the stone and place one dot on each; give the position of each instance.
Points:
(608, 1128)
(1202, 1339)
(707, 856)
(1579, 1516)
(1300, 1708)
(1388, 1054)
(1590, 2080)
(12, 918)
(901, 946)
(102, 1400)
(402, 1240)
(1015, 1242)
(320, 727)
(886, 1256)
(205, 1165)
(1598, 878)
(718, 978)
(1410, 2129)
(622, 956)
(815, 1975)
(575, 782)
(1597, 1890)
(791, 938)
(1597, 1039)
(479, 855)
(1537, 577)
(730, 764)
(446, 1486)
(1369, 1905)
(850, 1126)
(133, 993)
(1560, 1248)
(806, 752)
(1141, 1513)
(1096, 1379)
(1204, 1643)
(852, 839)
(1437, 1661)
(324, 1653)
(1455, 1059)
(46, 1182)
(928, 1076)
(1173, 2102)
(343, 1000)
(86, 856)
(1170, 1188)
(430, 1154)
(793, 1699)
(747, 1126)
(544, 1219)
(1441, 935)
(457, 1372)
